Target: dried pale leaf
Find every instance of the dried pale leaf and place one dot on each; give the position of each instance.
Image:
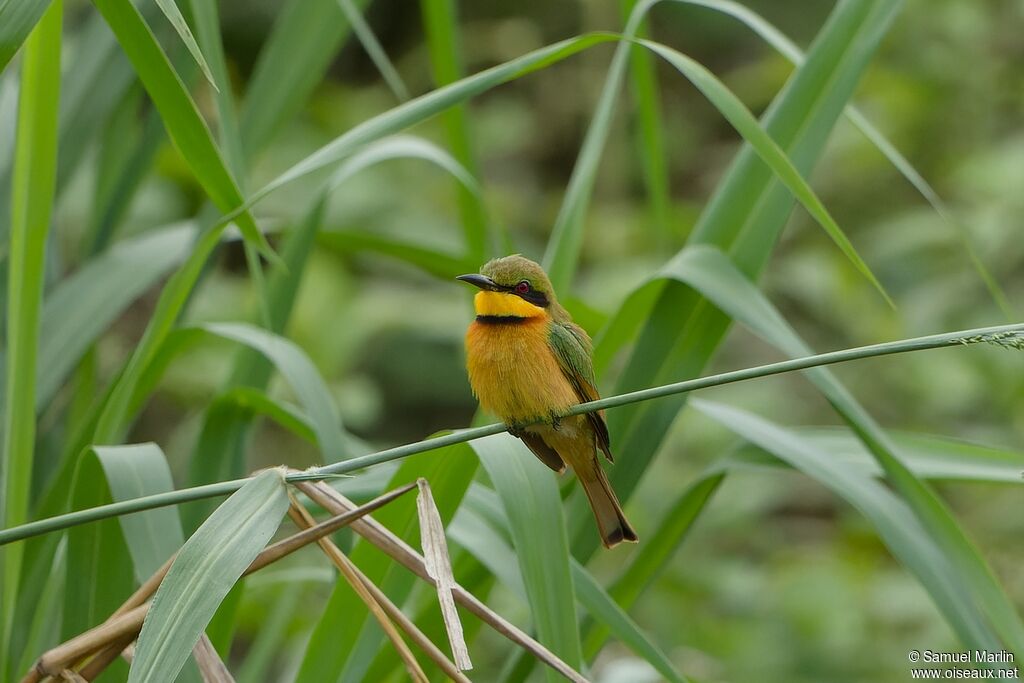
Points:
(439, 566)
(211, 667)
(399, 550)
(304, 520)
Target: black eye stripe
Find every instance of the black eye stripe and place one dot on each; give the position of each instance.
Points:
(533, 296)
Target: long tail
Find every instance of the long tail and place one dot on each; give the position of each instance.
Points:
(611, 522)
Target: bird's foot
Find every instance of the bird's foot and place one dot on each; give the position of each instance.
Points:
(516, 429)
(556, 421)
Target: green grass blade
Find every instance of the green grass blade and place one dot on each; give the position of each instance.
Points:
(306, 36)
(270, 640)
(894, 521)
(744, 122)
(203, 572)
(33, 180)
(219, 451)
(714, 275)
(374, 50)
(533, 507)
(252, 401)
(140, 470)
(181, 118)
(91, 89)
(402, 147)
(788, 49)
(482, 527)
(440, 23)
(99, 573)
(931, 457)
(652, 556)
(115, 412)
(209, 32)
(303, 377)
(601, 607)
(563, 250)
(744, 216)
(85, 304)
(429, 260)
(17, 19)
(1002, 336)
(173, 14)
(101, 558)
(422, 108)
(928, 456)
(650, 141)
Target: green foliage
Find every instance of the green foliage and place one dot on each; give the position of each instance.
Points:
(32, 180)
(203, 572)
(135, 314)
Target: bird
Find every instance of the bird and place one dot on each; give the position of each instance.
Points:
(528, 363)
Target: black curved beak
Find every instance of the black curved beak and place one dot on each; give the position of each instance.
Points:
(481, 281)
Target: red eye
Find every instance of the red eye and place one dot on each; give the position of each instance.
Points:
(523, 287)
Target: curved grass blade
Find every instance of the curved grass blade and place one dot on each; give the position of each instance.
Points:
(82, 306)
(173, 14)
(534, 510)
(203, 572)
(205, 15)
(302, 375)
(117, 407)
(602, 608)
(928, 456)
(402, 147)
(710, 271)
(17, 19)
(788, 49)
(893, 519)
(429, 260)
(374, 50)
(219, 452)
(744, 216)
(99, 574)
(138, 470)
(744, 122)
(101, 558)
(422, 108)
(33, 180)
(181, 118)
(252, 401)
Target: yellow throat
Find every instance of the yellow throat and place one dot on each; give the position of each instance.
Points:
(503, 305)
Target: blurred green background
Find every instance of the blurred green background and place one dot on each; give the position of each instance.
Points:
(779, 581)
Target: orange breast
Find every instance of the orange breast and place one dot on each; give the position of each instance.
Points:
(513, 371)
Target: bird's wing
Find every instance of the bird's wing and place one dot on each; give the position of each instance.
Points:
(572, 348)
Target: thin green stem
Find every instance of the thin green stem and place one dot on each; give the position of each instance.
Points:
(1006, 336)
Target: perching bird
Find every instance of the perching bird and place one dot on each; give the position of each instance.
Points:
(528, 363)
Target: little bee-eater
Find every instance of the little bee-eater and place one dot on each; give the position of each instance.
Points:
(528, 363)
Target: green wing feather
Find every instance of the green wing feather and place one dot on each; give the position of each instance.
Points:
(573, 349)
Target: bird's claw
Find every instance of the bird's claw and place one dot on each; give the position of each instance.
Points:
(556, 421)
(517, 429)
